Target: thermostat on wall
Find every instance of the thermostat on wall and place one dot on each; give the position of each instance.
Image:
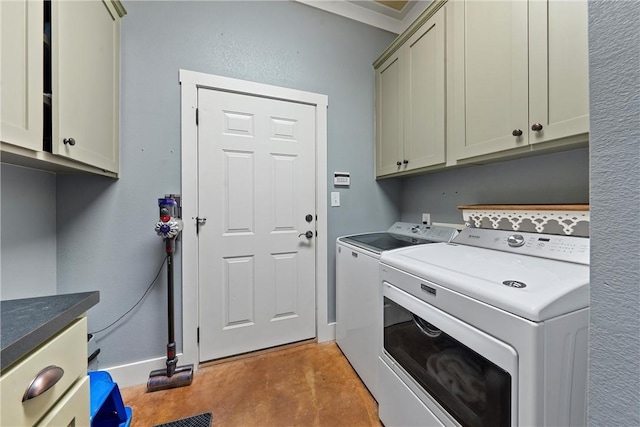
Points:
(341, 178)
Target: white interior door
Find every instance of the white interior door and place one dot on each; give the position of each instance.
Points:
(256, 186)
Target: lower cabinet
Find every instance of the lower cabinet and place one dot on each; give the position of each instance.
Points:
(49, 386)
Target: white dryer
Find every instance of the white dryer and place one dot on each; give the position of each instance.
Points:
(488, 330)
(359, 292)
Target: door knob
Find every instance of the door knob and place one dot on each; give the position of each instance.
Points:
(308, 234)
(536, 127)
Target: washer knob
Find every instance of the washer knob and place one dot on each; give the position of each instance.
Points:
(515, 240)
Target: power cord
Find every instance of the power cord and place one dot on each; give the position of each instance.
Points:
(164, 260)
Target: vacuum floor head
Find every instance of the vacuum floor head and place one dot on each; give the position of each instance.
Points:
(159, 380)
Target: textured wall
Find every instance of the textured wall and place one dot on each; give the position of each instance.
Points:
(550, 178)
(28, 233)
(614, 68)
(105, 227)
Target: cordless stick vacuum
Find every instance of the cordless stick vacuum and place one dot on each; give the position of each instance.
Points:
(168, 227)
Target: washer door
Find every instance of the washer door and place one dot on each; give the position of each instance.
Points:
(471, 375)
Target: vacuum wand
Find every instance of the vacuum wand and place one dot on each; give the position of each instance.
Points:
(172, 360)
(169, 227)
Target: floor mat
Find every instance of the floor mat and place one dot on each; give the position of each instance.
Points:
(202, 420)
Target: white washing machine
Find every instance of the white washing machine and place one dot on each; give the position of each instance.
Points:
(358, 290)
(488, 330)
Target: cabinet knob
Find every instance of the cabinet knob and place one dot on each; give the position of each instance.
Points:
(398, 163)
(536, 127)
(69, 141)
(405, 161)
(517, 132)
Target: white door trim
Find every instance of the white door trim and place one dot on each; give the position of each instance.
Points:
(190, 81)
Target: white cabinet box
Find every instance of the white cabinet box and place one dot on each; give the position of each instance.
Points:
(518, 76)
(71, 122)
(410, 100)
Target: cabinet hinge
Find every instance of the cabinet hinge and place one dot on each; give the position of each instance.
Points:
(197, 111)
(198, 335)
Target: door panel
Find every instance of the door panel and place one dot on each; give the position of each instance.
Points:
(256, 185)
(21, 71)
(495, 75)
(424, 138)
(389, 129)
(86, 75)
(558, 69)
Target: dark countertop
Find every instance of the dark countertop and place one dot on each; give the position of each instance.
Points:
(27, 323)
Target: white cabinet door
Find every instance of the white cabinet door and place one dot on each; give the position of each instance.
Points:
(21, 32)
(424, 95)
(86, 64)
(558, 69)
(389, 125)
(491, 64)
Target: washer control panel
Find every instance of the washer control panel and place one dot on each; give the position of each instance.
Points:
(562, 248)
(422, 231)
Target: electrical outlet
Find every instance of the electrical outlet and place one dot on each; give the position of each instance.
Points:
(426, 218)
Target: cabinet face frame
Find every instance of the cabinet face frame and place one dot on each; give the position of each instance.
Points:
(22, 64)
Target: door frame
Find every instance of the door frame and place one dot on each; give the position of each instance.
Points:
(190, 82)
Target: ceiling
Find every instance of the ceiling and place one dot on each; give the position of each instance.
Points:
(391, 15)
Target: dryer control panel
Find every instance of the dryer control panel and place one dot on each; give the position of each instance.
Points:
(562, 248)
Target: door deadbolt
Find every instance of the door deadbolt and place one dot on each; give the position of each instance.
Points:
(309, 218)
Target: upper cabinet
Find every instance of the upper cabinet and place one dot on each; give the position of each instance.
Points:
(480, 80)
(518, 75)
(63, 112)
(410, 99)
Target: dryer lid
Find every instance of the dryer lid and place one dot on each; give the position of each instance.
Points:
(533, 288)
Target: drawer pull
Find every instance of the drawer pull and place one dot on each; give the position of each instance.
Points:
(46, 378)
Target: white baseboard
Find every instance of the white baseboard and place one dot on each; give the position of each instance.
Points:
(136, 373)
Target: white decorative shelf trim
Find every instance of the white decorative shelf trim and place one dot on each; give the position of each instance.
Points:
(540, 220)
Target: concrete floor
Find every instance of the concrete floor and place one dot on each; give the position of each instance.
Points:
(308, 385)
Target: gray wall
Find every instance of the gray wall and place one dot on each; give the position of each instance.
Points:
(546, 179)
(28, 212)
(105, 227)
(614, 68)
